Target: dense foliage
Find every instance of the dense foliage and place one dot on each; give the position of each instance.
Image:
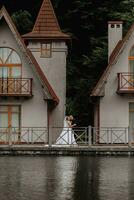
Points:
(86, 21)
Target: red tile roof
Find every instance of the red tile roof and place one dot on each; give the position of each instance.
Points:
(42, 78)
(46, 25)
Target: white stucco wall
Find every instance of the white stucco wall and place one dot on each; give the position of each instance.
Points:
(55, 71)
(114, 108)
(33, 110)
(114, 35)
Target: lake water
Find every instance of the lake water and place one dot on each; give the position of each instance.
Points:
(66, 178)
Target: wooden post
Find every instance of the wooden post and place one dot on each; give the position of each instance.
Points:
(31, 86)
(129, 137)
(32, 136)
(118, 74)
(89, 136)
(10, 135)
(50, 130)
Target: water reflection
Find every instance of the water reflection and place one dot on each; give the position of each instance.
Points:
(34, 178)
(65, 170)
(114, 181)
(68, 178)
(87, 179)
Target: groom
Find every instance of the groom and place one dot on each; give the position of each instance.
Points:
(71, 118)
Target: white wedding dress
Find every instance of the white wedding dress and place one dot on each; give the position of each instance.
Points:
(67, 135)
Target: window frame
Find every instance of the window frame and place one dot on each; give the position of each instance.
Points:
(10, 66)
(49, 49)
(9, 112)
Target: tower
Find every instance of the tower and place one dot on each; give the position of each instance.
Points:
(48, 45)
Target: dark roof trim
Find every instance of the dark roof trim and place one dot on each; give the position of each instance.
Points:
(114, 56)
(43, 80)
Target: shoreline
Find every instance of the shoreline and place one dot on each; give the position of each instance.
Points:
(66, 151)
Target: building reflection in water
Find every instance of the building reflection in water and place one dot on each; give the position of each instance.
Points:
(24, 178)
(114, 178)
(87, 179)
(69, 178)
(131, 178)
(65, 172)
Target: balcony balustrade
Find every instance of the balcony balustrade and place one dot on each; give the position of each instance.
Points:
(125, 83)
(84, 136)
(43, 135)
(16, 87)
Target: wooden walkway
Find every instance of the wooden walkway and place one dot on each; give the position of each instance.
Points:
(66, 150)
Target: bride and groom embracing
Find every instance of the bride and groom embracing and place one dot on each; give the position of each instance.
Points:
(67, 135)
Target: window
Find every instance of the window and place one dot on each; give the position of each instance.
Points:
(9, 116)
(46, 50)
(131, 60)
(10, 63)
(10, 69)
(131, 67)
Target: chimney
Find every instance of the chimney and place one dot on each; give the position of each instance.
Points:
(114, 35)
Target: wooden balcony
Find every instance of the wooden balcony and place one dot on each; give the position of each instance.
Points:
(125, 83)
(16, 87)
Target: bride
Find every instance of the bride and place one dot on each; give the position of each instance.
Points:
(67, 134)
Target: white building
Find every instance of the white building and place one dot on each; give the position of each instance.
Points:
(114, 92)
(32, 78)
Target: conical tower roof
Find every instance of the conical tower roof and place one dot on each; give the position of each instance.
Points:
(46, 25)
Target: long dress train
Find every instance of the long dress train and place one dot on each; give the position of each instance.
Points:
(67, 135)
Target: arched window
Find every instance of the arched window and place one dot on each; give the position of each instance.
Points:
(131, 60)
(10, 63)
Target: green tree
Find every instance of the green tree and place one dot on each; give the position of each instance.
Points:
(23, 21)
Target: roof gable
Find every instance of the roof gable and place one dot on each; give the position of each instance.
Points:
(48, 90)
(98, 89)
(46, 25)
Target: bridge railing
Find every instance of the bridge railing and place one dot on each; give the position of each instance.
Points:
(69, 136)
(44, 135)
(110, 135)
(23, 135)
(59, 136)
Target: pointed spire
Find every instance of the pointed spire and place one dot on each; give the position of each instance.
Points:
(46, 20)
(46, 25)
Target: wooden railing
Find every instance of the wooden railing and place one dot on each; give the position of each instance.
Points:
(15, 87)
(75, 136)
(45, 135)
(125, 83)
(110, 135)
(23, 135)
(79, 136)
